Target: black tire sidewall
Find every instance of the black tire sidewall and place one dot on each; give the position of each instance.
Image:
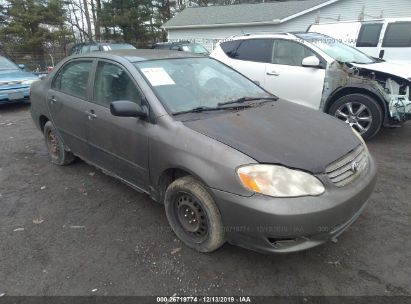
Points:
(190, 185)
(375, 108)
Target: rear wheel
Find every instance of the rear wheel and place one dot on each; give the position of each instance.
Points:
(193, 215)
(55, 146)
(361, 112)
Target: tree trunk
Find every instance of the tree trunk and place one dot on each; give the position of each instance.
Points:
(87, 15)
(98, 20)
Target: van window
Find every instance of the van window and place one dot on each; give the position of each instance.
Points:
(398, 34)
(257, 50)
(369, 35)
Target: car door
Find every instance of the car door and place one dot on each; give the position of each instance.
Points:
(117, 144)
(287, 78)
(67, 100)
(251, 58)
(396, 44)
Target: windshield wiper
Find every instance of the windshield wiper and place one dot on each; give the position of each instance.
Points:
(197, 110)
(244, 99)
(206, 109)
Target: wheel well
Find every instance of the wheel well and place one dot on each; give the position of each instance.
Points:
(43, 120)
(166, 178)
(347, 91)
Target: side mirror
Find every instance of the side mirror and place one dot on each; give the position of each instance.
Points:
(311, 61)
(22, 66)
(125, 108)
(381, 54)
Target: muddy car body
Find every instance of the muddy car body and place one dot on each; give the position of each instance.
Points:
(258, 172)
(321, 73)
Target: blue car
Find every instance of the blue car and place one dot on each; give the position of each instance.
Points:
(14, 82)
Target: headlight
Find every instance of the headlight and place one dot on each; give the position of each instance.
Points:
(29, 81)
(279, 181)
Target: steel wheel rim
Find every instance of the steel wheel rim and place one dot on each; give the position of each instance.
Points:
(356, 114)
(53, 145)
(191, 216)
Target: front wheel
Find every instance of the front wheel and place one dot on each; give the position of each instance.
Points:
(193, 215)
(361, 112)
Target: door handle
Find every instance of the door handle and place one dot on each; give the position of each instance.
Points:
(53, 100)
(272, 73)
(91, 115)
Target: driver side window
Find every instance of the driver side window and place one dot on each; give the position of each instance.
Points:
(289, 53)
(112, 83)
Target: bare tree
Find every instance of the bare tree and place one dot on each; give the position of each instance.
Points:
(87, 16)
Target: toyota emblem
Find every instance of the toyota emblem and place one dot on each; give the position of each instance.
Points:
(354, 166)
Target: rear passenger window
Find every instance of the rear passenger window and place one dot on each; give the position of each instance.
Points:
(72, 79)
(258, 50)
(398, 34)
(369, 35)
(229, 47)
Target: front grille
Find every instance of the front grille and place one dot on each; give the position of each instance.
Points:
(345, 170)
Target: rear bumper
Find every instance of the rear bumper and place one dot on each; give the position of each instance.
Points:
(279, 225)
(14, 95)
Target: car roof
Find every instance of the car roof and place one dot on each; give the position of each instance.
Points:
(99, 43)
(287, 36)
(140, 54)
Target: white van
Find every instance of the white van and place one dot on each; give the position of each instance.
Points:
(389, 38)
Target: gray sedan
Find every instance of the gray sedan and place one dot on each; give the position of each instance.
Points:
(229, 161)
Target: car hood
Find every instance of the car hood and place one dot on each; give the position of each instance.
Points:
(280, 133)
(8, 75)
(396, 69)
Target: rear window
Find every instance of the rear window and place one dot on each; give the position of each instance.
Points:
(229, 47)
(73, 78)
(369, 35)
(398, 34)
(257, 50)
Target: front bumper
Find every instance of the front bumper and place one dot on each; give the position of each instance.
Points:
(14, 94)
(283, 225)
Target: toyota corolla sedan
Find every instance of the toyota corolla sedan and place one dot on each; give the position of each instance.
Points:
(229, 161)
(14, 82)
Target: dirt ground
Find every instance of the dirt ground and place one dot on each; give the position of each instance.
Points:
(75, 231)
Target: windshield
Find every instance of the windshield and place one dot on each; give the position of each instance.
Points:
(337, 50)
(122, 46)
(6, 64)
(195, 48)
(189, 83)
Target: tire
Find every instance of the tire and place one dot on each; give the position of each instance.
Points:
(370, 109)
(193, 215)
(58, 154)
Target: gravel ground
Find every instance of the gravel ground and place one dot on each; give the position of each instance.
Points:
(75, 231)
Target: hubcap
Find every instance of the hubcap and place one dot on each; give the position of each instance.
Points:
(356, 114)
(191, 216)
(53, 144)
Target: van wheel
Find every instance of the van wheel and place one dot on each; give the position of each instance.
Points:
(193, 215)
(361, 112)
(55, 146)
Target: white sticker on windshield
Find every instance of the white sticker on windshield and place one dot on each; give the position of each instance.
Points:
(157, 76)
